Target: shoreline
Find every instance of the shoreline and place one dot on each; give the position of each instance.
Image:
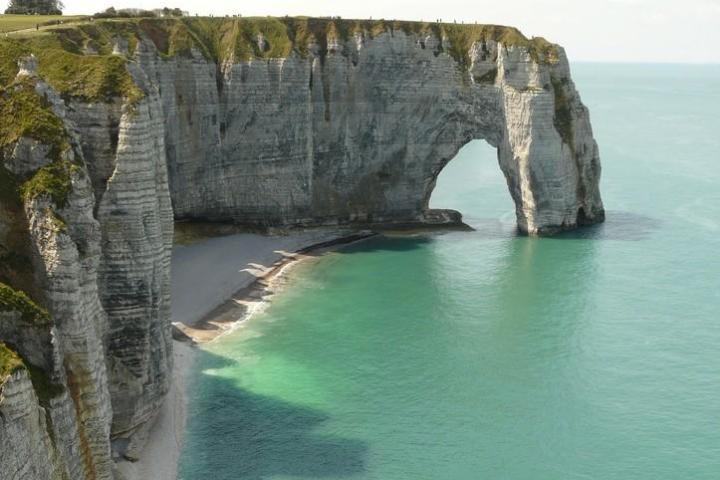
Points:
(161, 443)
(249, 299)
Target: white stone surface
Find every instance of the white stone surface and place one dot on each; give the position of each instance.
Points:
(353, 137)
(361, 134)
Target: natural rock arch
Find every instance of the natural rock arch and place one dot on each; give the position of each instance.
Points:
(360, 137)
(467, 182)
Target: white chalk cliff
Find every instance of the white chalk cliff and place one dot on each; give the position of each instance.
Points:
(342, 128)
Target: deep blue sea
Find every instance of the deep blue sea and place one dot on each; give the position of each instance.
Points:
(488, 355)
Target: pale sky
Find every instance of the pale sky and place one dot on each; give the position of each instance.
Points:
(685, 31)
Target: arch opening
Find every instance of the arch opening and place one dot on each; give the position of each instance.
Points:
(473, 184)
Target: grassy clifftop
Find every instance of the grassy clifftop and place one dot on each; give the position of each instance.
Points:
(77, 59)
(223, 38)
(68, 70)
(13, 23)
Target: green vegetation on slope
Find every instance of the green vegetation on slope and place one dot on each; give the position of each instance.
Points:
(76, 59)
(11, 51)
(89, 77)
(54, 181)
(10, 362)
(63, 64)
(239, 36)
(29, 116)
(462, 37)
(15, 300)
(33, 118)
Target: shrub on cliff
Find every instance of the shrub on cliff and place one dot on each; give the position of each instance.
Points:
(35, 7)
(125, 13)
(10, 362)
(139, 13)
(12, 300)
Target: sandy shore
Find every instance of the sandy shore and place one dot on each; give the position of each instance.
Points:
(217, 283)
(162, 442)
(238, 275)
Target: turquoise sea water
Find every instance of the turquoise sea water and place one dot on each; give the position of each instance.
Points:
(487, 355)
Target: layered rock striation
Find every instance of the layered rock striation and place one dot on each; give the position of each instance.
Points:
(299, 121)
(357, 130)
(111, 129)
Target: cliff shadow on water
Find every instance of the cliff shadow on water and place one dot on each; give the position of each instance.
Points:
(255, 436)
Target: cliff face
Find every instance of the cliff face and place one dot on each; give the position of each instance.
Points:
(360, 133)
(114, 127)
(99, 243)
(135, 217)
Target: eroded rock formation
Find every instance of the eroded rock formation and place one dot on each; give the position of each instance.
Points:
(293, 122)
(362, 136)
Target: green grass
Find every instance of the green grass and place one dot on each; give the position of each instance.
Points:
(222, 38)
(10, 362)
(33, 118)
(65, 64)
(30, 116)
(91, 78)
(12, 23)
(238, 36)
(10, 51)
(53, 181)
(17, 301)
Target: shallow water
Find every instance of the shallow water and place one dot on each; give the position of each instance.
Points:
(484, 354)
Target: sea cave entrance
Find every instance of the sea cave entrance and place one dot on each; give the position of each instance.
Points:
(473, 184)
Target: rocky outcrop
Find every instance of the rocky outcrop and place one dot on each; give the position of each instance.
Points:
(295, 123)
(126, 148)
(101, 264)
(360, 132)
